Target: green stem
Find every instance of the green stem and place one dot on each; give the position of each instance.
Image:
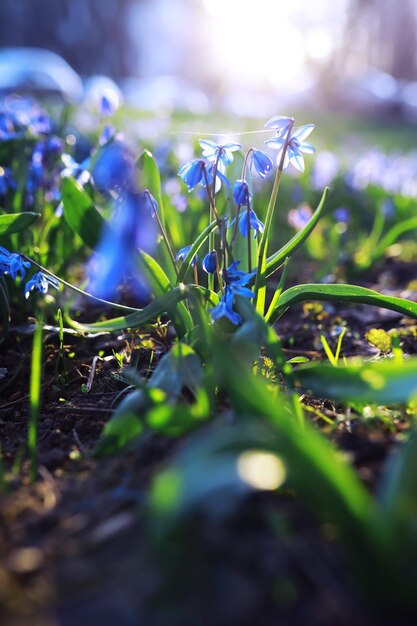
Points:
(260, 286)
(249, 241)
(168, 245)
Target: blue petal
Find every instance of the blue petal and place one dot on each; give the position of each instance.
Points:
(280, 122)
(261, 162)
(276, 143)
(303, 132)
(209, 262)
(307, 148)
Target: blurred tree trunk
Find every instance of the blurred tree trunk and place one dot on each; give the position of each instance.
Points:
(89, 34)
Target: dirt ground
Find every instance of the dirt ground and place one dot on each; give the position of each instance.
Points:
(73, 545)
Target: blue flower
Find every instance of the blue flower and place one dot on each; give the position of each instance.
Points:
(235, 285)
(132, 227)
(298, 218)
(72, 169)
(148, 202)
(220, 178)
(280, 123)
(255, 224)
(7, 180)
(209, 263)
(192, 173)
(182, 255)
(12, 264)
(342, 215)
(296, 146)
(261, 163)
(224, 309)
(236, 280)
(41, 282)
(109, 102)
(107, 134)
(241, 193)
(217, 153)
(113, 168)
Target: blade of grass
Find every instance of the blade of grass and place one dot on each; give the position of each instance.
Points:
(35, 400)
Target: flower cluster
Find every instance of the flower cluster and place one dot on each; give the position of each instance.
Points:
(20, 120)
(235, 285)
(12, 264)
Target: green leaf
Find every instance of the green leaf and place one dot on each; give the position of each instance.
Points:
(180, 368)
(393, 235)
(15, 222)
(160, 305)
(383, 382)
(274, 261)
(118, 432)
(81, 214)
(160, 284)
(315, 469)
(342, 293)
(150, 178)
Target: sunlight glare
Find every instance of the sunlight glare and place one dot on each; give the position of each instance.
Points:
(261, 470)
(256, 41)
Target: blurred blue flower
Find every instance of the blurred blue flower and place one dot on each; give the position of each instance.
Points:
(296, 146)
(7, 129)
(72, 169)
(342, 215)
(255, 224)
(182, 255)
(260, 162)
(113, 168)
(241, 193)
(41, 282)
(109, 102)
(25, 114)
(107, 134)
(7, 180)
(209, 263)
(222, 154)
(132, 227)
(298, 218)
(12, 264)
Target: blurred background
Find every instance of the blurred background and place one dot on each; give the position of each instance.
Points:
(243, 57)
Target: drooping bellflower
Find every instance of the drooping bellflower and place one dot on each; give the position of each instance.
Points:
(260, 162)
(209, 263)
(41, 282)
(248, 220)
(12, 264)
(235, 283)
(192, 173)
(183, 253)
(241, 193)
